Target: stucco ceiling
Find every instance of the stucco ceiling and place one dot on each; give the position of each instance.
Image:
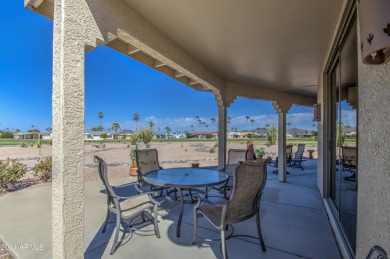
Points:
(274, 44)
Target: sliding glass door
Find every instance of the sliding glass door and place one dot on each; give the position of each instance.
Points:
(343, 128)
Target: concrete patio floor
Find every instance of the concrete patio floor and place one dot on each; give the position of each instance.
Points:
(293, 220)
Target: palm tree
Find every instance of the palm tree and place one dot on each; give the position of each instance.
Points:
(151, 124)
(192, 127)
(200, 123)
(115, 126)
(213, 120)
(100, 116)
(136, 119)
(49, 129)
(252, 121)
(167, 129)
(158, 129)
(17, 131)
(229, 119)
(247, 118)
(288, 124)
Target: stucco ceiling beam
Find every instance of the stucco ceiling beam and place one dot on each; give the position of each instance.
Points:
(118, 45)
(131, 49)
(178, 74)
(199, 87)
(183, 79)
(192, 82)
(166, 70)
(158, 63)
(116, 19)
(255, 92)
(45, 8)
(119, 18)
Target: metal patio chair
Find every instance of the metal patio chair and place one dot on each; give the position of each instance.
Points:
(147, 161)
(288, 159)
(126, 207)
(234, 157)
(297, 160)
(348, 159)
(244, 202)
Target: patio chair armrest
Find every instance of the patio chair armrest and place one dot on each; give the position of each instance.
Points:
(134, 196)
(153, 200)
(202, 199)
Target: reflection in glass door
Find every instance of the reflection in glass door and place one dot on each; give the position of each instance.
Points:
(343, 138)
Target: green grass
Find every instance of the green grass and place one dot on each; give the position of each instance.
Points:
(257, 141)
(18, 142)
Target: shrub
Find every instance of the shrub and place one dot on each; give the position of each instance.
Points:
(6, 134)
(104, 136)
(212, 150)
(43, 169)
(251, 135)
(260, 152)
(146, 135)
(133, 157)
(134, 138)
(23, 145)
(10, 172)
(272, 134)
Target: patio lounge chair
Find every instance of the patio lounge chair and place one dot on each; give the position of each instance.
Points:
(234, 157)
(297, 160)
(126, 207)
(244, 202)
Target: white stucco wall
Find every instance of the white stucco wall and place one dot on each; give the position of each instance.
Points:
(374, 162)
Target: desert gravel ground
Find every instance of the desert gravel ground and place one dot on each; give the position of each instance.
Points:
(171, 154)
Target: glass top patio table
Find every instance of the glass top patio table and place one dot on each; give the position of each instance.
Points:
(185, 178)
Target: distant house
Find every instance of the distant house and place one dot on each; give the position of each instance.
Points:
(124, 134)
(204, 135)
(28, 135)
(96, 135)
(302, 134)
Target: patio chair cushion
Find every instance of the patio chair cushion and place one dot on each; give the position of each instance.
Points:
(131, 206)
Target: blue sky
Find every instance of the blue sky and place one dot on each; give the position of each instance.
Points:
(114, 84)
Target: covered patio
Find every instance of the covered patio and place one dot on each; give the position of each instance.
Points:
(293, 220)
(289, 53)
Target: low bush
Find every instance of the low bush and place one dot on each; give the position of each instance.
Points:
(146, 135)
(23, 145)
(43, 169)
(6, 134)
(260, 152)
(10, 172)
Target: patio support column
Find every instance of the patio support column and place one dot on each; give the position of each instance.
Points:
(282, 109)
(282, 171)
(222, 110)
(70, 41)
